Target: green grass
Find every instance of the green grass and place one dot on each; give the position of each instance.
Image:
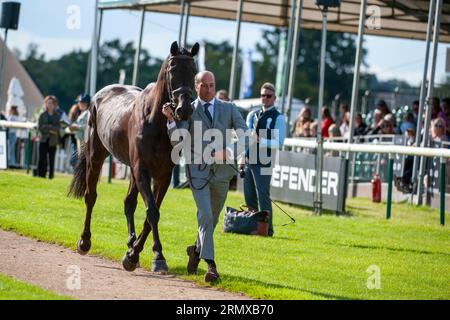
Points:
(11, 289)
(324, 257)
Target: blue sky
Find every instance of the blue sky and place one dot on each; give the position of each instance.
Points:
(44, 22)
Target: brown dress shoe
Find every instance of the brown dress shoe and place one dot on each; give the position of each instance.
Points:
(194, 260)
(212, 274)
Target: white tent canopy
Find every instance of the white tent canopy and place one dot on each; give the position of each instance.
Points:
(31, 95)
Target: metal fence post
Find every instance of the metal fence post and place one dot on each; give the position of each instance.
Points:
(28, 152)
(442, 190)
(389, 194)
(110, 169)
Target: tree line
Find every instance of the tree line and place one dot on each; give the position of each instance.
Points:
(65, 77)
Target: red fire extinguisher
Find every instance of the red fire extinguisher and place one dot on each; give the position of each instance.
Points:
(376, 188)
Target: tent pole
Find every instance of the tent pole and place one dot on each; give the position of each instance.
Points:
(437, 23)
(288, 52)
(423, 87)
(138, 50)
(293, 64)
(355, 89)
(235, 50)
(94, 53)
(2, 70)
(187, 13)
(180, 32)
(319, 154)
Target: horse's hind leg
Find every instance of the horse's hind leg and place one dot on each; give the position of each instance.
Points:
(130, 204)
(95, 156)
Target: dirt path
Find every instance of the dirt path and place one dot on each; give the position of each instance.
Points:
(54, 268)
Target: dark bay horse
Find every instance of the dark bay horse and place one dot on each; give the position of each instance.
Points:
(128, 123)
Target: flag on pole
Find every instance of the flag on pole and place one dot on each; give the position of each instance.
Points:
(202, 57)
(247, 76)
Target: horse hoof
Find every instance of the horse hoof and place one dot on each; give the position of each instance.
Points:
(160, 266)
(129, 265)
(83, 246)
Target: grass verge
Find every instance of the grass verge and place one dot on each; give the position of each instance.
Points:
(326, 257)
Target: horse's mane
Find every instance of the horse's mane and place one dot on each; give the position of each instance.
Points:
(159, 92)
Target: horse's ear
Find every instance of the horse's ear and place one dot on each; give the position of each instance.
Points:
(174, 48)
(195, 49)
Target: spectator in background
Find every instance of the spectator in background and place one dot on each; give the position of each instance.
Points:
(222, 95)
(48, 128)
(64, 119)
(438, 130)
(407, 123)
(304, 116)
(12, 136)
(435, 108)
(79, 126)
(343, 109)
(376, 122)
(386, 127)
(333, 132)
(74, 113)
(360, 125)
(383, 107)
(403, 183)
(313, 129)
(306, 130)
(391, 118)
(345, 125)
(327, 121)
(445, 113)
(415, 110)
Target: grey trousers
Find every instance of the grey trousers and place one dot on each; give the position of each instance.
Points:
(257, 191)
(210, 201)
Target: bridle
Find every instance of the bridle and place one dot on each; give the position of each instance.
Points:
(178, 91)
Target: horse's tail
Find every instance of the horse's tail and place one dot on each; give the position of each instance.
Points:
(78, 185)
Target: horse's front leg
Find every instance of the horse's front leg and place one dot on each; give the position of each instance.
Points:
(142, 179)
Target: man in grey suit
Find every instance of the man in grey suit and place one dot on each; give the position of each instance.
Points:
(209, 155)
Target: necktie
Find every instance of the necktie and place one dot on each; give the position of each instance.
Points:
(206, 106)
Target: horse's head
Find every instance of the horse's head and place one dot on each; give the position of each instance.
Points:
(180, 75)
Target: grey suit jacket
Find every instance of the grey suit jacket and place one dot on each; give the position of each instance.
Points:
(226, 116)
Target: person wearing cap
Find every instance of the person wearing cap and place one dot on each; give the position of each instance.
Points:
(79, 125)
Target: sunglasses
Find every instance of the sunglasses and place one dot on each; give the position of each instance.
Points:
(268, 96)
(439, 126)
